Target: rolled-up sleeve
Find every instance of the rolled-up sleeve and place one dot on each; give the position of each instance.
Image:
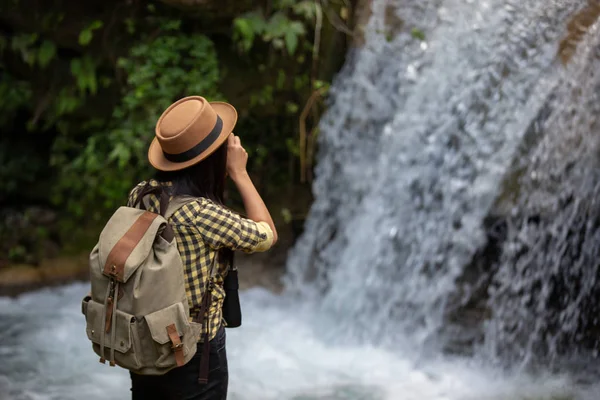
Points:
(221, 228)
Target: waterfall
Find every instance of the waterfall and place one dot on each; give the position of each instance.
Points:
(423, 131)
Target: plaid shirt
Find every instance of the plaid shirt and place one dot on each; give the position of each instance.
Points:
(201, 228)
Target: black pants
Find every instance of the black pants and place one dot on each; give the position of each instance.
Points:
(182, 383)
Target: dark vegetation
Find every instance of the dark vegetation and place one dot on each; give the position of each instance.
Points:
(83, 82)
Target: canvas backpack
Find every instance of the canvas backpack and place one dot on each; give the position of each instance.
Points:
(137, 314)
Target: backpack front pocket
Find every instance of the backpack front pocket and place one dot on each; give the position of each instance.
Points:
(125, 354)
(172, 333)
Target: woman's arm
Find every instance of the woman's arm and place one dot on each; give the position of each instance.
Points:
(237, 158)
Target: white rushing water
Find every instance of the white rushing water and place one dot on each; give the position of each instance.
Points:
(426, 121)
(278, 354)
(414, 152)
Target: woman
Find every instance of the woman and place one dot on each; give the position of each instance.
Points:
(194, 151)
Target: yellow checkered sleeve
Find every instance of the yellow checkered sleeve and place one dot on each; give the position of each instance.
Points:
(220, 228)
(201, 228)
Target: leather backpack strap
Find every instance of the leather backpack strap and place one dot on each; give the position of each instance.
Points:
(115, 262)
(161, 193)
(177, 345)
(199, 318)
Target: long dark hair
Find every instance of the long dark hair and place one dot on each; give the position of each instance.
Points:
(206, 179)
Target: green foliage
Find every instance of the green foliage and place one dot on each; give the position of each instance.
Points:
(278, 29)
(32, 50)
(17, 172)
(66, 102)
(46, 53)
(283, 37)
(159, 71)
(246, 28)
(84, 71)
(86, 35)
(14, 94)
(321, 85)
(24, 43)
(90, 105)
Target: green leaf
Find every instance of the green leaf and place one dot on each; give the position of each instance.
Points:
(291, 42)
(85, 37)
(296, 27)
(292, 146)
(76, 66)
(84, 71)
(97, 24)
(247, 27)
(29, 57)
(46, 53)
(318, 84)
(130, 24)
(276, 27)
(281, 79)
(306, 9)
(291, 108)
(243, 33)
(121, 153)
(172, 25)
(23, 44)
(23, 41)
(287, 215)
(418, 34)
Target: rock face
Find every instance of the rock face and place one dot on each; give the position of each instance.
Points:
(549, 270)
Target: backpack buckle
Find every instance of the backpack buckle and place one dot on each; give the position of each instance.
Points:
(176, 346)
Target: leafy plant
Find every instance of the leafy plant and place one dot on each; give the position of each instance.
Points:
(14, 93)
(159, 71)
(32, 50)
(92, 103)
(86, 35)
(279, 29)
(46, 53)
(84, 71)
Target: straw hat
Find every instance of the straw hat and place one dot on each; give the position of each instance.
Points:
(190, 130)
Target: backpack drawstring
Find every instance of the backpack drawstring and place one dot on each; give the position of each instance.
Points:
(103, 331)
(113, 324)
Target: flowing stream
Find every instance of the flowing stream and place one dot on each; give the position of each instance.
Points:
(279, 354)
(446, 100)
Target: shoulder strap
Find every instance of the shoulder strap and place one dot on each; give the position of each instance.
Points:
(156, 190)
(204, 306)
(207, 289)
